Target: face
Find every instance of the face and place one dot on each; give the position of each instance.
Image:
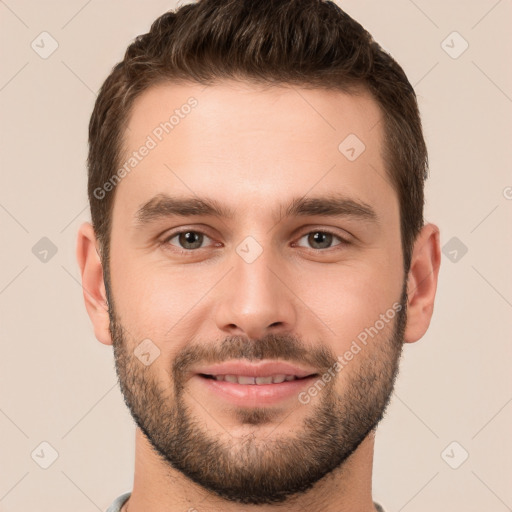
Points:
(250, 241)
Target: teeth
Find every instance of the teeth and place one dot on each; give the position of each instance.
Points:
(242, 379)
(264, 380)
(246, 380)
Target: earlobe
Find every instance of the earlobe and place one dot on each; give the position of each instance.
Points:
(422, 282)
(93, 285)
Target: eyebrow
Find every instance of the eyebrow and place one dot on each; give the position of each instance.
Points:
(164, 206)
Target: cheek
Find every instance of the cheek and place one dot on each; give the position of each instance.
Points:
(150, 308)
(148, 301)
(156, 304)
(347, 301)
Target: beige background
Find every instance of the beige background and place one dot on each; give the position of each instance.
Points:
(58, 384)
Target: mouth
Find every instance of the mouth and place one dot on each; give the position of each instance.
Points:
(251, 385)
(261, 373)
(256, 381)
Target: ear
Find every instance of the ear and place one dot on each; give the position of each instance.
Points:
(93, 285)
(422, 282)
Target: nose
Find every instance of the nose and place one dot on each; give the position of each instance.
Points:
(256, 298)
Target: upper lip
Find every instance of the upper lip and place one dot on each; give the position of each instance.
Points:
(263, 369)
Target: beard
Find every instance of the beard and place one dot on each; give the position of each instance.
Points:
(254, 469)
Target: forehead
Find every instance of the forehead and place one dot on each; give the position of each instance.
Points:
(235, 140)
(246, 109)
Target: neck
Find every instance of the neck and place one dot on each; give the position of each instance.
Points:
(160, 488)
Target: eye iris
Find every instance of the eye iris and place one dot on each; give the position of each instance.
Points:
(190, 237)
(318, 237)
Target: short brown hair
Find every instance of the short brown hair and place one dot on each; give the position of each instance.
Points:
(309, 43)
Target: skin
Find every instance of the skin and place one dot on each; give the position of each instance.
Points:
(253, 150)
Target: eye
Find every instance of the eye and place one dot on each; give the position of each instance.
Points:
(188, 240)
(322, 239)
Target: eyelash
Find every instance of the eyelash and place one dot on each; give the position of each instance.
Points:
(189, 252)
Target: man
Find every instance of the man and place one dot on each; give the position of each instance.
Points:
(257, 255)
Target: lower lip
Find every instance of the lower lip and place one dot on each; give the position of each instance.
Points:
(254, 395)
